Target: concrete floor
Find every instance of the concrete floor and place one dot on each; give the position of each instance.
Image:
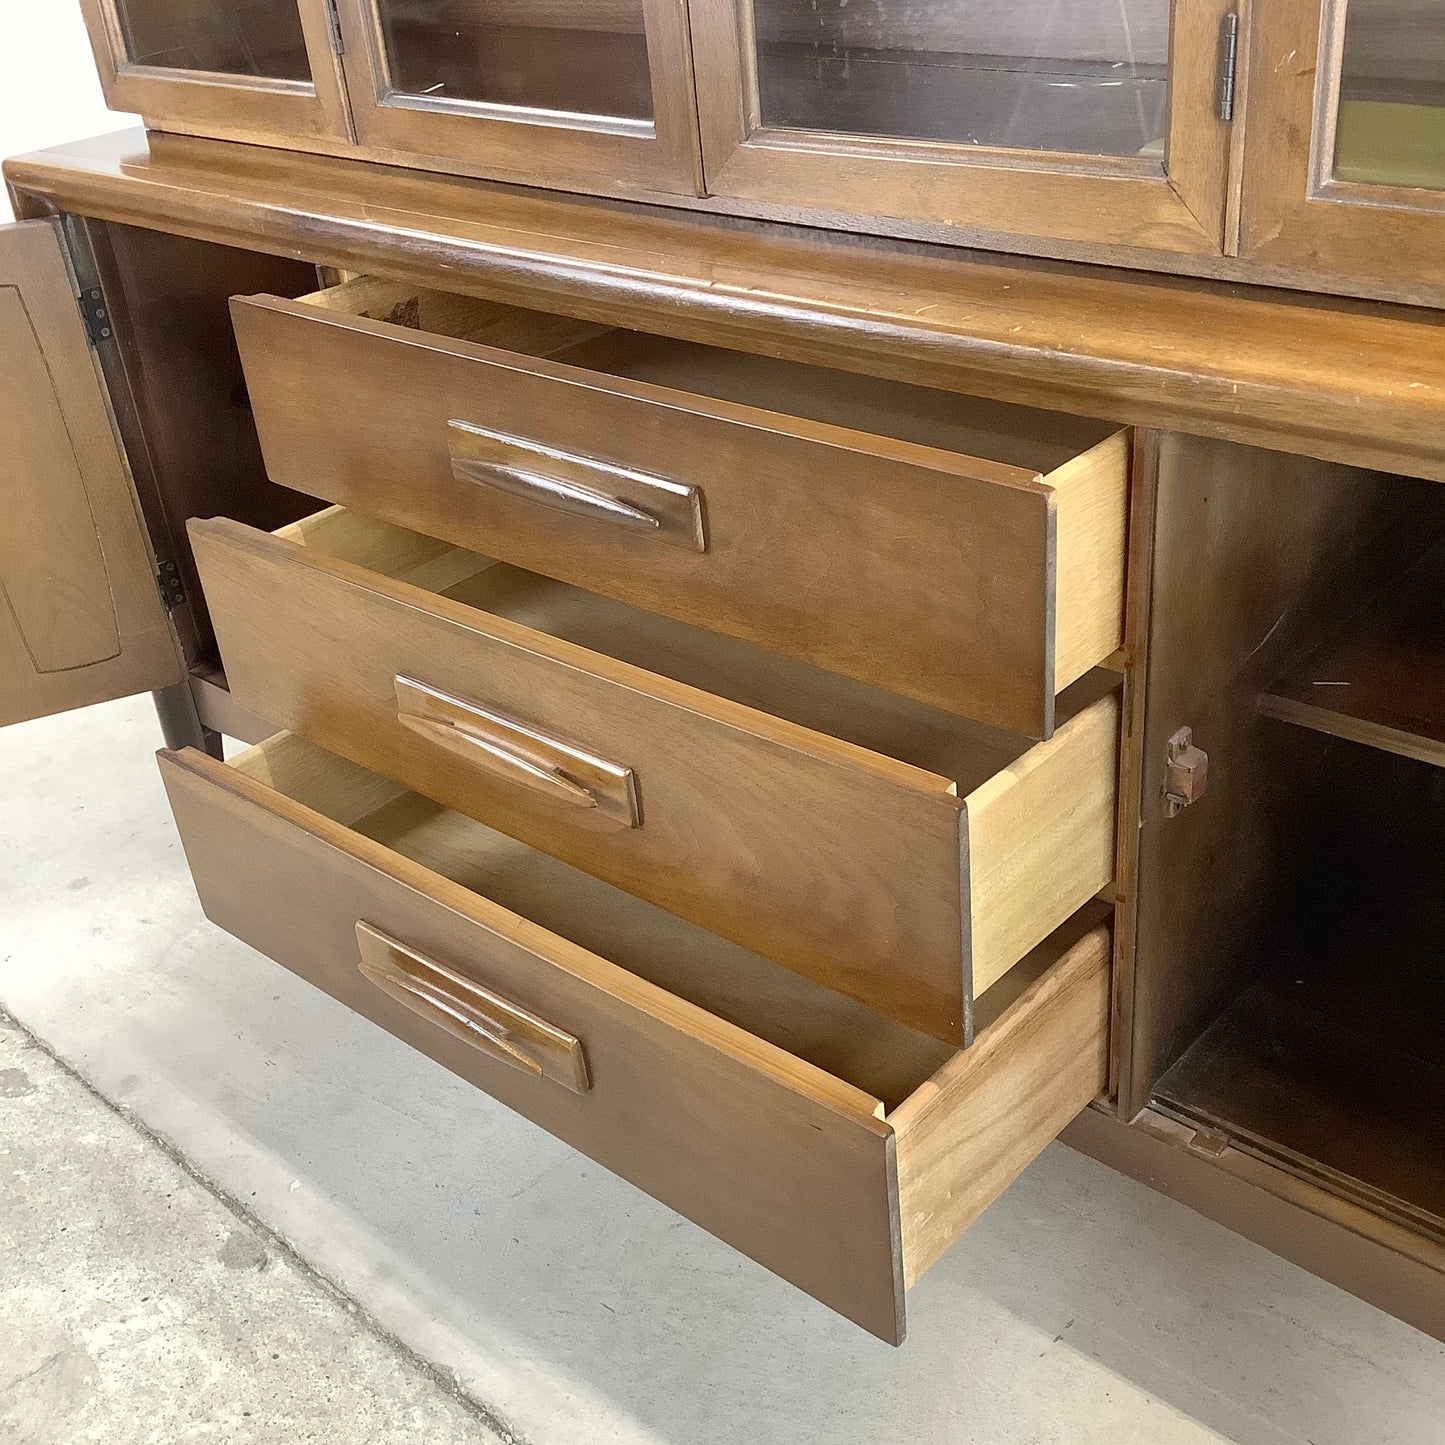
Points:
(137, 1306)
(568, 1308)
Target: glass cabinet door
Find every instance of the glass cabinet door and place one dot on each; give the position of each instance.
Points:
(253, 69)
(1390, 109)
(1088, 79)
(263, 38)
(1345, 151)
(1086, 120)
(591, 93)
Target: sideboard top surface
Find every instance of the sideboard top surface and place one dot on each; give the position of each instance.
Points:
(1352, 381)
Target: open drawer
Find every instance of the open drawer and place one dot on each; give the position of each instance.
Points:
(961, 552)
(832, 1145)
(897, 853)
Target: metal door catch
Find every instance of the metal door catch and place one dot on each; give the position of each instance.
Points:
(1188, 773)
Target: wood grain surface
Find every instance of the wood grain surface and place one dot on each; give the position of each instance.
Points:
(940, 575)
(81, 620)
(694, 1091)
(783, 1162)
(1261, 367)
(815, 820)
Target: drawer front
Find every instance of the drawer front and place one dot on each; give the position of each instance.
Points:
(964, 583)
(845, 866)
(849, 867)
(788, 1165)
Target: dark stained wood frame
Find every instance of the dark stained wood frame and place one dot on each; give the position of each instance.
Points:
(1176, 206)
(1263, 368)
(1294, 213)
(595, 153)
(236, 107)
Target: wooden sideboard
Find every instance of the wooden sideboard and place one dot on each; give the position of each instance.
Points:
(807, 718)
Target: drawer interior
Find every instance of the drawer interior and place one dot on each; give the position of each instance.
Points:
(877, 1054)
(1015, 436)
(869, 1050)
(835, 1146)
(964, 753)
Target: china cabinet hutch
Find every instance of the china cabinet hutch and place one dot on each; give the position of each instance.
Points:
(823, 592)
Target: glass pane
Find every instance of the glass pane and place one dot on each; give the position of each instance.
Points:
(1392, 94)
(1088, 76)
(252, 37)
(584, 56)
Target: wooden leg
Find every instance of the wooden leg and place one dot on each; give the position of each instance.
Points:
(181, 724)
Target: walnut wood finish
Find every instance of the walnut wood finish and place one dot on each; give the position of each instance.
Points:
(1294, 211)
(1395, 1268)
(241, 107)
(976, 585)
(481, 1019)
(898, 854)
(986, 191)
(583, 152)
(556, 771)
(180, 394)
(788, 1163)
(1266, 369)
(81, 620)
(986, 194)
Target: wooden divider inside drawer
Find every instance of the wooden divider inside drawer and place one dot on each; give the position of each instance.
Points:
(903, 856)
(964, 553)
(831, 1144)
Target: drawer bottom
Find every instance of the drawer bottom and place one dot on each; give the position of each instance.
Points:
(834, 1145)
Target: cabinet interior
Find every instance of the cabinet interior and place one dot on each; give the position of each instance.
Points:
(1329, 1059)
(1090, 78)
(1319, 1047)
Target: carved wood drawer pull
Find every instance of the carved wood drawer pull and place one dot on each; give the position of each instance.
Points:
(471, 1013)
(518, 753)
(581, 486)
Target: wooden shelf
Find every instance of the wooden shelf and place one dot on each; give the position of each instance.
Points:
(1381, 143)
(1287, 1073)
(1382, 681)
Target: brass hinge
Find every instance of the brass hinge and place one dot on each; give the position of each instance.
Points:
(333, 25)
(95, 312)
(1188, 773)
(1228, 65)
(169, 585)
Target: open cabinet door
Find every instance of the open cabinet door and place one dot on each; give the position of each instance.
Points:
(81, 618)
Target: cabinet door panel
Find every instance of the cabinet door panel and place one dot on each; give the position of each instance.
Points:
(1345, 151)
(81, 620)
(257, 70)
(1091, 124)
(591, 94)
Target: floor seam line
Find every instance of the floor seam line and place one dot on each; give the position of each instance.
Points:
(446, 1381)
